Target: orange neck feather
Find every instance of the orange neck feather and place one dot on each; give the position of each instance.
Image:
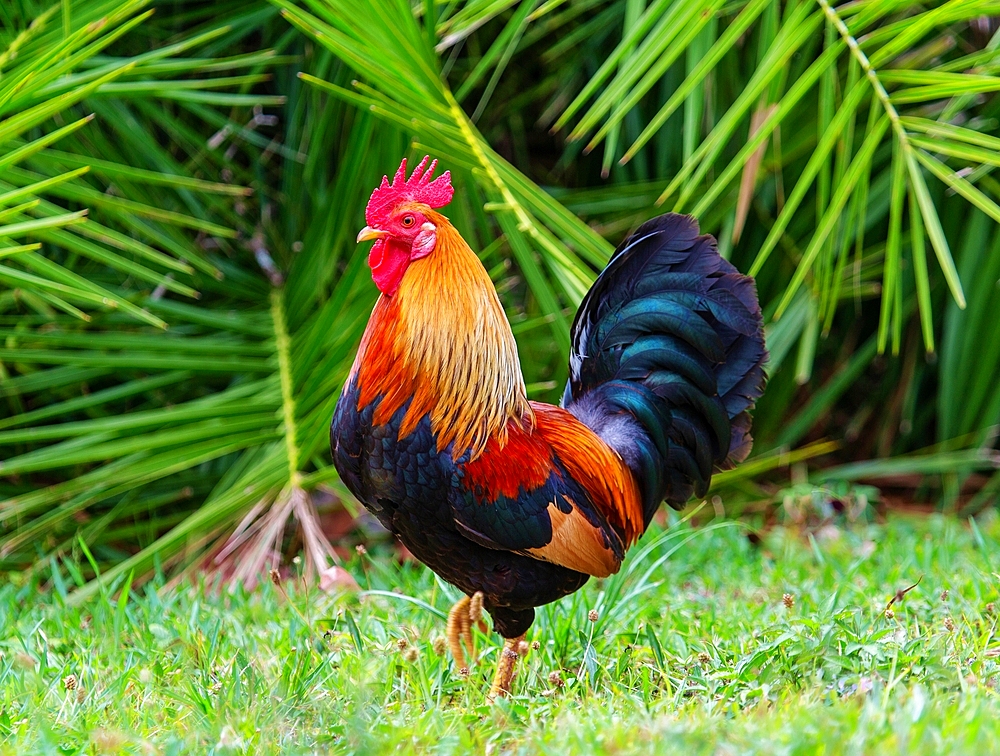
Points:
(444, 340)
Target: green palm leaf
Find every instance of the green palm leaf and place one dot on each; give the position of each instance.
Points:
(181, 295)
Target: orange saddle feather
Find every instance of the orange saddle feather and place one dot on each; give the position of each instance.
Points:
(584, 532)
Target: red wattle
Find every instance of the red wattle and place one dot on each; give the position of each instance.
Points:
(375, 253)
(388, 260)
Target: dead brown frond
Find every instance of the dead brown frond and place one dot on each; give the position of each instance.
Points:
(255, 547)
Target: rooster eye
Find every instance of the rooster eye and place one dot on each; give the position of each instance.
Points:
(408, 221)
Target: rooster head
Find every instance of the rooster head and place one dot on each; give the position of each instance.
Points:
(400, 220)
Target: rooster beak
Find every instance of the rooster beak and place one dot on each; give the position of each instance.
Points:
(368, 233)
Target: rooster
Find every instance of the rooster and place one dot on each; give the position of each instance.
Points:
(515, 502)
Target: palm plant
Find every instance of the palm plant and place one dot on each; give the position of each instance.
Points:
(179, 193)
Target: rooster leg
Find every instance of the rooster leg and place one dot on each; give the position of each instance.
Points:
(465, 613)
(506, 667)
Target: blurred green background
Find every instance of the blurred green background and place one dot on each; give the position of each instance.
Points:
(181, 184)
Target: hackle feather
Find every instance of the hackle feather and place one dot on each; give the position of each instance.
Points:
(443, 343)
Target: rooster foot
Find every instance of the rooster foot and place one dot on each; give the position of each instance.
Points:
(463, 615)
(513, 648)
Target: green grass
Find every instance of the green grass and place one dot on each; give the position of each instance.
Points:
(698, 654)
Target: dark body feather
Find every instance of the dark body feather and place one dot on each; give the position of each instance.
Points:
(418, 494)
(667, 356)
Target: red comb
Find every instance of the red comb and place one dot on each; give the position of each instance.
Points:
(418, 188)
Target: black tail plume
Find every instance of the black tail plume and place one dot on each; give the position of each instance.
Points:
(667, 359)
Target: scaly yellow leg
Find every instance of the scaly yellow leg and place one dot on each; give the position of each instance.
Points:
(465, 613)
(506, 668)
